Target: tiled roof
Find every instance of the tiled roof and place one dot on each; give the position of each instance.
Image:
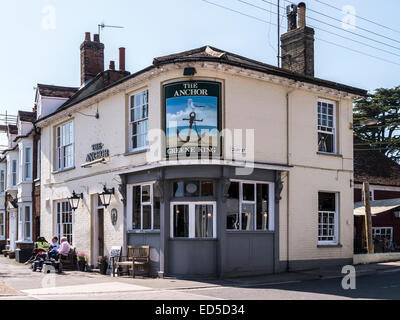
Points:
(27, 116)
(208, 53)
(56, 91)
(12, 129)
(374, 167)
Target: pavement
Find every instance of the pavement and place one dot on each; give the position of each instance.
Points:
(18, 282)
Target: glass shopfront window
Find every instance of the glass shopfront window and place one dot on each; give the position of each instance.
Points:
(145, 207)
(250, 206)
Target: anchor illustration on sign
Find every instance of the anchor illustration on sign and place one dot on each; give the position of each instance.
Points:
(192, 123)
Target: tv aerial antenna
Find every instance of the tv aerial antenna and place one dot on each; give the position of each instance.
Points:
(102, 26)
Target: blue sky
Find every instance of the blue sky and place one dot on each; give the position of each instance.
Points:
(33, 52)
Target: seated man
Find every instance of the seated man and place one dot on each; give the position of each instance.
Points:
(41, 246)
(54, 248)
(65, 247)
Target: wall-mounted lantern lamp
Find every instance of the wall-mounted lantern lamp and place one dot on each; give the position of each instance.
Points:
(397, 213)
(106, 195)
(74, 200)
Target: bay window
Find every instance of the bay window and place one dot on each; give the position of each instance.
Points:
(145, 207)
(65, 146)
(326, 127)
(25, 223)
(328, 218)
(138, 121)
(250, 206)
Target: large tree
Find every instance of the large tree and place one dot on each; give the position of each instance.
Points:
(384, 107)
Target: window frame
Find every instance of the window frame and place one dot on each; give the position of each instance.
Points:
(192, 217)
(58, 225)
(60, 147)
(334, 128)
(271, 205)
(131, 206)
(27, 165)
(38, 162)
(336, 239)
(374, 229)
(2, 181)
(131, 107)
(14, 174)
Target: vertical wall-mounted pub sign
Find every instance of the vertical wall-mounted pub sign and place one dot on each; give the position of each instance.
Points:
(192, 119)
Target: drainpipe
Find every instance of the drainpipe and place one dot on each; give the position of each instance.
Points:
(288, 150)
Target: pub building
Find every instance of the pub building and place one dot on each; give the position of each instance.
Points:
(223, 165)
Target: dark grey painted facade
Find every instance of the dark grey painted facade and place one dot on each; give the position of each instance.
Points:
(232, 253)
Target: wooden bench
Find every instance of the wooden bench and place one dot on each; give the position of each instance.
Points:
(136, 257)
(69, 261)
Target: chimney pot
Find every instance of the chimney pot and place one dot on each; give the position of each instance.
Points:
(122, 59)
(291, 11)
(96, 38)
(87, 36)
(112, 65)
(302, 14)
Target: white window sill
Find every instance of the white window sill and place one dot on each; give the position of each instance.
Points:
(136, 151)
(328, 245)
(193, 239)
(332, 154)
(62, 170)
(144, 231)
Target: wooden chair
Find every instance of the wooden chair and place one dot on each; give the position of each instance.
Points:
(136, 257)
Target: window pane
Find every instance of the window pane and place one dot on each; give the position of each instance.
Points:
(181, 221)
(204, 221)
(232, 203)
(146, 217)
(178, 189)
(136, 223)
(207, 189)
(146, 193)
(248, 192)
(156, 209)
(327, 202)
(247, 216)
(325, 142)
(192, 189)
(262, 206)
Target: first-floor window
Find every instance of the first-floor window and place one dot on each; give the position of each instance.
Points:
(2, 226)
(193, 220)
(327, 218)
(145, 207)
(64, 221)
(139, 119)
(326, 126)
(14, 172)
(25, 223)
(383, 233)
(250, 206)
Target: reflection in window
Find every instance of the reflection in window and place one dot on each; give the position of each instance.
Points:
(193, 189)
(262, 206)
(204, 221)
(146, 209)
(248, 207)
(233, 207)
(181, 221)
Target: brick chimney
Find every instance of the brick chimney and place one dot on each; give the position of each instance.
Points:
(92, 58)
(122, 59)
(298, 42)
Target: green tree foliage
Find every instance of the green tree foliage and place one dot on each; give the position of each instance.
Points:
(384, 107)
